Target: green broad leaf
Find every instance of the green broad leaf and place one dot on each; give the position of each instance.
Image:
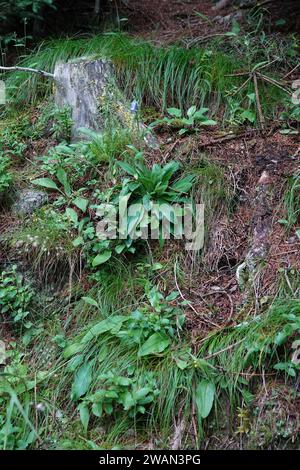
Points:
(230, 33)
(147, 202)
(248, 115)
(157, 266)
(63, 179)
(113, 323)
(251, 97)
(127, 168)
(200, 113)
(120, 248)
(74, 363)
(188, 121)
(172, 296)
(166, 213)
(72, 349)
(175, 112)
(90, 301)
(260, 64)
(203, 17)
(78, 241)
(110, 394)
(134, 221)
(286, 367)
(235, 27)
(72, 215)
(108, 408)
(183, 185)
(127, 400)
(208, 122)
(124, 381)
(142, 393)
(282, 336)
(169, 170)
(181, 364)
(280, 22)
(46, 183)
(97, 409)
(157, 343)
(81, 203)
(183, 131)
(191, 111)
(82, 381)
(61, 148)
(204, 397)
(283, 222)
(84, 415)
(101, 258)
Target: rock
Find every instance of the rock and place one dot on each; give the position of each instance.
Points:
(247, 3)
(28, 201)
(238, 16)
(222, 4)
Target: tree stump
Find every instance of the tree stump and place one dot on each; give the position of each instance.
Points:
(79, 85)
(87, 86)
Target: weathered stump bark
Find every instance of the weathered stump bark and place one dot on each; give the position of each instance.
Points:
(84, 85)
(80, 85)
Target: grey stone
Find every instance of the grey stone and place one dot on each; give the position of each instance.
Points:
(28, 200)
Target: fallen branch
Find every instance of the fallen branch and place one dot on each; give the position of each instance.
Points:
(291, 71)
(222, 139)
(26, 69)
(273, 82)
(195, 41)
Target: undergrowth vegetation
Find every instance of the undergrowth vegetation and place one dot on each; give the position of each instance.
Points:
(104, 349)
(160, 76)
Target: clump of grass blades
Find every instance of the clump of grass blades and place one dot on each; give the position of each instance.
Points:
(226, 358)
(44, 242)
(160, 76)
(211, 188)
(248, 346)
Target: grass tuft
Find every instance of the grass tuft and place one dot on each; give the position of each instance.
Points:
(159, 76)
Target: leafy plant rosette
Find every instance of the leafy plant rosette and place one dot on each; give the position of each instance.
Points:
(15, 295)
(151, 199)
(146, 333)
(155, 199)
(5, 175)
(193, 119)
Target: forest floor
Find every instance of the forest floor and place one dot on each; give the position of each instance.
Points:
(254, 166)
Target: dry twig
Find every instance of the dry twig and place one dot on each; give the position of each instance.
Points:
(26, 69)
